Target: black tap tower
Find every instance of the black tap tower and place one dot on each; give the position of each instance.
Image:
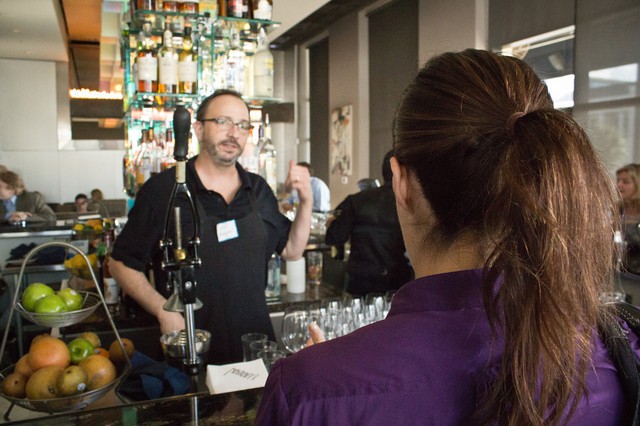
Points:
(180, 263)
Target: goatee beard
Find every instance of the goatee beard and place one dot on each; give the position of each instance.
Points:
(214, 153)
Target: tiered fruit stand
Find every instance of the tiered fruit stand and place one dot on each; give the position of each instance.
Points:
(91, 302)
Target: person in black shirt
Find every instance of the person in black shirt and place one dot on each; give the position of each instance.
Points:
(369, 219)
(240, 227)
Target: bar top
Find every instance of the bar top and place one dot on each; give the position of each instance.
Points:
(236, 408)
(34, 229)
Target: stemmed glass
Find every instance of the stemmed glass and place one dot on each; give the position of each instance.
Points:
(295, 329)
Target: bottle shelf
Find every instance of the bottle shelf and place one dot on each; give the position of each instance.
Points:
(213, 37)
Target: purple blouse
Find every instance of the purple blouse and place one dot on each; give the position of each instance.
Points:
(426, 363)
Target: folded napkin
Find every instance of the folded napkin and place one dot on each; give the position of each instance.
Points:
(151, 379)
(47, 256)
(21, 251)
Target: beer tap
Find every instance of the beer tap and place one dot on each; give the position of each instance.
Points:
(180, 262)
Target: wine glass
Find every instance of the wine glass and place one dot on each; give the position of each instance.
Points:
(294, 329)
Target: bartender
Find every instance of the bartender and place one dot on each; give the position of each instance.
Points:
(240, 227)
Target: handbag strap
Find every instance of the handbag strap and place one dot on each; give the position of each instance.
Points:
(625, 360)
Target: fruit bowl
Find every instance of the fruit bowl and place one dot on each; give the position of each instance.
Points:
(63, 319)
(67, 403)
(83, 273)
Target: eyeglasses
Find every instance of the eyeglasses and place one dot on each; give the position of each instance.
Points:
(226, 123)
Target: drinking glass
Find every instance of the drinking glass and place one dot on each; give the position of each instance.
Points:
(294, 329)
(314, 267)
(246, 341)
(269, 357)
(378, 301)
(332, 304)
(260, 346)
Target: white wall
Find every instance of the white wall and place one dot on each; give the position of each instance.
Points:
(29, 132)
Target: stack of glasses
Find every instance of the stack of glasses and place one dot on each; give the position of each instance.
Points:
(336, 316)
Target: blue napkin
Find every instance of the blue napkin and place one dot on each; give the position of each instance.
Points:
(150, 379)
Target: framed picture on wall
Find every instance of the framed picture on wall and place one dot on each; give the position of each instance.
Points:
(341, 143)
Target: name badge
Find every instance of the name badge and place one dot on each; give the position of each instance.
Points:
(227, 230)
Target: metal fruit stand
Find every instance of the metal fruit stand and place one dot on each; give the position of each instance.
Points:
(91, 302)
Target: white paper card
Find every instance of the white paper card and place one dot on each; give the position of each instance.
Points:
(236, 377)
(227, 230)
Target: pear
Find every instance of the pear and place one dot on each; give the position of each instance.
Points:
(14, 385)
(43, 384)
(72, 381)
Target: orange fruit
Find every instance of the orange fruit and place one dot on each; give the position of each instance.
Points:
(48, 351)
(115, 351)
(23, 367)
(100, 371)
(38, 337)
(102, 352)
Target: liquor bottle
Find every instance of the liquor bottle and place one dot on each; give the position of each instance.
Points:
(235, 63)
(155, 153)
(262, 10)
(142, 161)
(249, 158)
(234, 8)
(111, 288)
(128, 174)
(145, 5)
(189, 6)
(167, 160)
(170, 5)
(188, 65)
(147, 61)
(167, 64)
(267, 159)
(222, 7)
(217, 65)
(263, 68)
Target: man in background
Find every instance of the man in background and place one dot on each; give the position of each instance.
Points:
(319, 189)
(377, 262)
(82, 203)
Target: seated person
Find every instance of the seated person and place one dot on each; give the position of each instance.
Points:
(19, 204)
(320, 190)
(96, 196)
(81, 202)
(627, 184)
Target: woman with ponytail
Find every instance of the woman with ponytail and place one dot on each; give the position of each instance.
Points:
(506, 214)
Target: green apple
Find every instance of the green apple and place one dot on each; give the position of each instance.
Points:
(80, 349)
(72, 298)
(51, 303)
(33, 293)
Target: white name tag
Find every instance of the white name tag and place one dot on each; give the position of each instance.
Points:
(227, 230)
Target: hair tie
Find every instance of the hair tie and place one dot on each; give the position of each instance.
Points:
(511, 121)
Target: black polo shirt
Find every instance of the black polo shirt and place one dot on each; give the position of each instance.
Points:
(138, 244)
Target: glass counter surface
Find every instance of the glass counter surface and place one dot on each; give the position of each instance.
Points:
(236, 408)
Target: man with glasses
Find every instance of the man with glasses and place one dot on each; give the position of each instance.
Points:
(240, 227)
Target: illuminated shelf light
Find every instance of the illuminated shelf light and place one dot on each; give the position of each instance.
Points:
(93, 94)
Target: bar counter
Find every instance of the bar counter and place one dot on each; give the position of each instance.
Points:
(236, 408)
